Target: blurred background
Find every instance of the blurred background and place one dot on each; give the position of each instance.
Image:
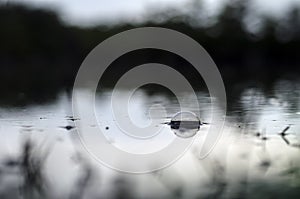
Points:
(44, 42)
(255, 45)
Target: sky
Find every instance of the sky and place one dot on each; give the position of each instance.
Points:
(89, 12)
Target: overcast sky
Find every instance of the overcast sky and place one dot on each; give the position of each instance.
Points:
(88, 12)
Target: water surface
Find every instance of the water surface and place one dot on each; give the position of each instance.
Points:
(249, 154)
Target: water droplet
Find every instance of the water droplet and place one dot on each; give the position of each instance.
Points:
(185, 124)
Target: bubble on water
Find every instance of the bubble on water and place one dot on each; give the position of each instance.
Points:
(185, 124)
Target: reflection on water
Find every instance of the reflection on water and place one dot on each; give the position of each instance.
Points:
(257, 156)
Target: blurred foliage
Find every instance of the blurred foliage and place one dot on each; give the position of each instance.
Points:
(40, 55)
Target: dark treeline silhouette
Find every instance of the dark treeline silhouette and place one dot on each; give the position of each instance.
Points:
(40, 55)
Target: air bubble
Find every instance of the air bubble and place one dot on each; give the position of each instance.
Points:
(185, 124)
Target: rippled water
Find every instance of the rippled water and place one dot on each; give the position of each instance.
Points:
(249, 154)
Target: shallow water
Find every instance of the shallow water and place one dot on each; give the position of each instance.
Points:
(238, 163)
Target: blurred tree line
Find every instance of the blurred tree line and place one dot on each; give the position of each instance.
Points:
(40, 55)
